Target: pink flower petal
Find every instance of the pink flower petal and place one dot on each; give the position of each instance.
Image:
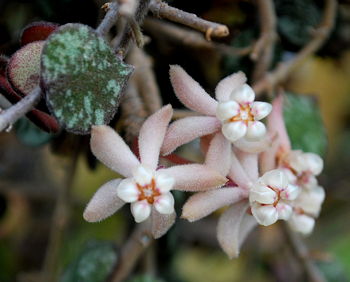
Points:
(230, 83)
(161, 223)
(204, 203)
(218, 156)
(141, 210)
(112, 151)
(233, 227)
(164, 203)
(233, 131)
(268, 158)
(187, 129)
(249, 163)
(104, 203)
(195, 177)
(238, 174)
(152, 135)
(276, 125)
(190, 93)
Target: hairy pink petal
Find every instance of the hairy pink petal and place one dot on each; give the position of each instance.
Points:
(249, 163)
(161, 223)
(190, 93)
(152, 135)
(187, 129)
(230, 83)
(233, 227)
(218, 156)
(238, 174)
(268, 158)
(195, 177)
(204, 203)
(276, 125)
(112, 151)
(104, 203)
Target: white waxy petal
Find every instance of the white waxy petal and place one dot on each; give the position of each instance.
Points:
(284, 210)
(143, 175)
(141, 210)
(290, 175)
(275, 178)
(227, 110)
(255, 130)
(314, 163)
(302, 223)
(261, 110)
(262, 194)
(127, 191)
(297, 161)
(234, 130)
(264, 215)
(311, 200)
(310, 182)
(290, 193)
(164, 204)
(243, 95)
(164, 183)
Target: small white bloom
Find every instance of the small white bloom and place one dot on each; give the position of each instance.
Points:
(271, 197)
(240, 116)
(310, 201)
(302, 223)
(147, 188)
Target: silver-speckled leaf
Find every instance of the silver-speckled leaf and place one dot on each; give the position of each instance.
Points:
(82, 78)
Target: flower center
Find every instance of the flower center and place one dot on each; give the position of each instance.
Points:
(148, 192)
(278, 195)
(244, 114)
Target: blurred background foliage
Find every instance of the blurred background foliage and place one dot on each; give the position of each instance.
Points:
(33, 164)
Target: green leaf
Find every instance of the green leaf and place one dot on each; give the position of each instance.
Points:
(94, 263)
(31, 135)
(82, 77)
(333, 271)
(304, 124)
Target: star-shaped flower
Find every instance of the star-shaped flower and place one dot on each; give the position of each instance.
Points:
(145, 187)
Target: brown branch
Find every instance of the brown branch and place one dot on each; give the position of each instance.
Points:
(190, 38)
(132, 250)
(263, 49)
(9, 116)
(211, 29)
(320, 35)
(109, 20)
(302, 253)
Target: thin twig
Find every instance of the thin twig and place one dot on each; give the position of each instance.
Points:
(211, 29)
(263, 49)
(303, 255)
(320, 35)
(190, 38)
(11, 115)
(134, 247)
(109, 20)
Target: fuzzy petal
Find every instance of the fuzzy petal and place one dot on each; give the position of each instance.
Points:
(195, 177)
(249, 163)
(261, 110)
(227, 110)
(161, 223)
(152, 135)
(238, 174)
(143, 175)
(187, 129)
(234, 130)
(202, 204)
(111, 150)
(253, 146)
(243, 95)
(141, 210)
(218, 156)
(190, 93)
(233, 227)
(255, 131)
(229, 84)
(104, 203)
(164, 203)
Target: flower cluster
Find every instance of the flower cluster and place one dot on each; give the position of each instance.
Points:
(248, 168)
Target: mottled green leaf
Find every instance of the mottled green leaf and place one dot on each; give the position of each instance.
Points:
(94, 263)
(304, 124)
(82, 77)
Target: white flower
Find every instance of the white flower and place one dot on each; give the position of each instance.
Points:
(147, 188)
(271, 197)
(240, 116)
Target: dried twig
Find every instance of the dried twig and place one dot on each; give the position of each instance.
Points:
(139, 240)
(190, 38)
(263, 49)
(12, 114)
(320, 35)
(211, 29)
(109, 20)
